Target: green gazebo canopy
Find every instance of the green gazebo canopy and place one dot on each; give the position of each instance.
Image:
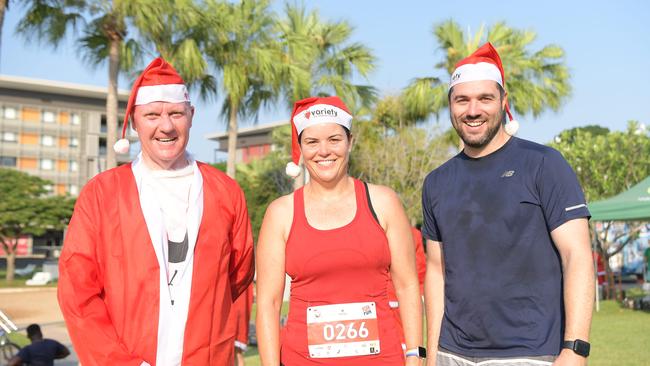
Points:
(633, 204)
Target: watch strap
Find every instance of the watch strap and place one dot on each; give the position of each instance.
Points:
(578, 346)
(419, 352)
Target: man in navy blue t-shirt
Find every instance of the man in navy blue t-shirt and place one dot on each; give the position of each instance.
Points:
(509, 271)
(41, 352)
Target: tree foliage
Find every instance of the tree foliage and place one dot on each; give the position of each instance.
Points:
(607, 163)
(535, 80)
(25, 209)
(398, 158)
(263, 180)
(241, 44)
(320, 59)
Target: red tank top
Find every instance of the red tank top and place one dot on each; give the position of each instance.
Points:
(345, 265)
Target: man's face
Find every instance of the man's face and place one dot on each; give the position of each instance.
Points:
(163, 130)
(477, 110)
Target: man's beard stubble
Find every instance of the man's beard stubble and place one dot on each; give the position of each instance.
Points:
(486, 138)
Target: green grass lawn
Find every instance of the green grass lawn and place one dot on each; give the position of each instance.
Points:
(619, 337)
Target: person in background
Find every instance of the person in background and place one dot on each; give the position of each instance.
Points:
(238, 323)
(41, 352)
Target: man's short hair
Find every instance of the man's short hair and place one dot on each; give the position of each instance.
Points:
(34, 330)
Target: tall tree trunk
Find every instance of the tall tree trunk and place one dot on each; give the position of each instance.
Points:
(11, 263)
(111, 101)
(611, 291)
(232, 141)
(3, 9)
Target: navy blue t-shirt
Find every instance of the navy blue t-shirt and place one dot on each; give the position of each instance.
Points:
(41, 353)
(503, 274)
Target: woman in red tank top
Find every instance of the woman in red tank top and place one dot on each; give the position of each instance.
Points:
(341, 242)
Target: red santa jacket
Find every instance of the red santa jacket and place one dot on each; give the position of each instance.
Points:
(109, 274)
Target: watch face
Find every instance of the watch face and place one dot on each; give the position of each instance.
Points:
(581, 347)
(422, 352)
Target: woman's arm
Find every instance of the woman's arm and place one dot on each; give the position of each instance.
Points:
(403, 270)
(270, 277)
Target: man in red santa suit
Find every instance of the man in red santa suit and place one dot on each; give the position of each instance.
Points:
(157, 250)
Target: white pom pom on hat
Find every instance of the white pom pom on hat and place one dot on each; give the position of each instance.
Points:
(512, 127)
(292, 169)
(122, 146)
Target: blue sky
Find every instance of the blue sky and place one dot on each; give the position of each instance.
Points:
(607, 45)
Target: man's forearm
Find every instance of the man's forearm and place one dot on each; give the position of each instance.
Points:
(434, 297)
(579, 292)
(434, 306)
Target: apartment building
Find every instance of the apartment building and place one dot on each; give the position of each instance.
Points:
(252, 142)
(55, 130)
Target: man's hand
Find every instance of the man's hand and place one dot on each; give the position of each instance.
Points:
(569, 358)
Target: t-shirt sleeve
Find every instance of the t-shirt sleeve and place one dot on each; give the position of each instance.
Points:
(561, 196)
(60, 349)
(24, 355)
(429, 226)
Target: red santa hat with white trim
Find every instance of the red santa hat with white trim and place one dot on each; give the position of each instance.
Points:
(312, 111)
(159, 82)
(484, 64)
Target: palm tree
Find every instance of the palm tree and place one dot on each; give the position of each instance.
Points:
(4, 6)
(103, 37)
(536, 81)
(241, 45)
(176, 36)
(319, 59)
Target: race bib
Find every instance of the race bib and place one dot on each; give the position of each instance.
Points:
(342, 330)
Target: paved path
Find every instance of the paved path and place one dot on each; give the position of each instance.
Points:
(25, 306)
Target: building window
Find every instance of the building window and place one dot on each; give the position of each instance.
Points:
(102, 147)
(47, 140)
(75, 119)
(49, 117)
(73, 166)
(9, 137)
(74, 142)
(73, 189)
(103, 125)
(7, 161)
(47, 164)
(10, 113)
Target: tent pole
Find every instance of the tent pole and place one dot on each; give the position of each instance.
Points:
(593, 255)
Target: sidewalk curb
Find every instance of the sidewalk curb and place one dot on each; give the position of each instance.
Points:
(16, 290)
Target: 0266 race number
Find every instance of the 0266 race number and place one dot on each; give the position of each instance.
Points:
(339, 332)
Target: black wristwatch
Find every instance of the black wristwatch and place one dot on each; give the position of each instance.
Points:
(578, 346)
(419, 352)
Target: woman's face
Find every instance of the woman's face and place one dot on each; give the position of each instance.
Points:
(326, 151)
